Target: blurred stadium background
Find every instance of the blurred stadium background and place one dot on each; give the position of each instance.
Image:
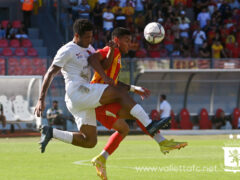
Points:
(199, 74)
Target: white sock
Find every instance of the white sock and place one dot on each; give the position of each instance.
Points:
(158, 138)
(64, 136)
(104, 154)
(138, 112)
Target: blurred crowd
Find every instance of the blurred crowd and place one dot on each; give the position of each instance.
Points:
(194, 28)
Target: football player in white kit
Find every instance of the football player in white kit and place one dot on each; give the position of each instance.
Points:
(82, 97)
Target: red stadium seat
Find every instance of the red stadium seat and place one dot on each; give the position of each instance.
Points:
(15, 43)
(13, 65)
(38, 61)
(185, 122)
(20, 52)
(218, 112)
(13, 62)
(26, 43)
(32, 52)
(204, 121)
(28, 70)
(5, 23)
(154, 115)
(174, 124)
(2, 66)
(235, 118)
(141, 53)
(25, 62)
(154, 54)
(3, 43)
(16, 24)
(7, 52)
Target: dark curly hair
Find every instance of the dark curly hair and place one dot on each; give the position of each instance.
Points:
(120, 31)
(80, 26)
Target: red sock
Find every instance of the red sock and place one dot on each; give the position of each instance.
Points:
(113, 142)
(143, 128)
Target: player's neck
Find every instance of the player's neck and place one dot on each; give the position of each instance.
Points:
(78, 43)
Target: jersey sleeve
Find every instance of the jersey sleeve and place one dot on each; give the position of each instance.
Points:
(103, 52)
(62, 57)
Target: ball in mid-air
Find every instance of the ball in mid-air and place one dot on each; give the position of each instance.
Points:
(154, 33)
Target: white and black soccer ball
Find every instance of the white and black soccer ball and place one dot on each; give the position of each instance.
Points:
(154, 33)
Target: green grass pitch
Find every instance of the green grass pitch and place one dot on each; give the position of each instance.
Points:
(20, 159)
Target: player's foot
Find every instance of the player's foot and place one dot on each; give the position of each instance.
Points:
(154, 126)
(100, 163)
(168, 145)
(46, 136)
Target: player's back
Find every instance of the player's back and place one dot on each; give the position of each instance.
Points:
(114, 69)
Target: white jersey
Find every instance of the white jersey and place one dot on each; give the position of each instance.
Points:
(75, 69)
(166, 108)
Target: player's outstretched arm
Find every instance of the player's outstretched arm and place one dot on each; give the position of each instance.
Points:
(107, 62)
(141, 91)
(52, 71)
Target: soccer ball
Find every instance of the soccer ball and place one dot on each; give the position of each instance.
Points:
(154, 33)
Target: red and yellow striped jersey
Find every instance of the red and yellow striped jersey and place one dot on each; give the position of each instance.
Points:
(114, 69)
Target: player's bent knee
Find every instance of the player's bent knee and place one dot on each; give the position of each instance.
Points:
(92, 143)
(122, 127)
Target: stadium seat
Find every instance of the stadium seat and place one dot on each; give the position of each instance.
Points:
(154, 54)
(38, 61)
(13, 66)
(235, 118)
(16, 24)
(185, 122)
(21, 109)
(3, 43)
(19, 52)
(15, 43)
(2, 66)
(7, 52)
(25, 62)
(7, 109)
(204, 121)
(174, 124)
(218, 112)
(154, 115)
(26, 43)
(5, 23)
(32, 52)
(141, 53)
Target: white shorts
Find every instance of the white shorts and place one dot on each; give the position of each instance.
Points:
(86, 117)
(83, 101)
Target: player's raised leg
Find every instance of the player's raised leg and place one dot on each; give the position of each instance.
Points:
(113, 94)
(165, 144)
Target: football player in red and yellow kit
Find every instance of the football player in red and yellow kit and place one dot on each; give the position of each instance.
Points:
(112, 115)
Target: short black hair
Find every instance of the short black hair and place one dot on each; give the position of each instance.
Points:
(163, 96)
(55, 101)
(81, 26)
(120, 31)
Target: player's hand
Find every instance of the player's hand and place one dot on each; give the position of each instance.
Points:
(39, 108)
(108, 80)
(112, 44)
(143, 92)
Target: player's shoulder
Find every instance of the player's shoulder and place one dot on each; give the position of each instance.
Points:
(67, 47)
(91, 48)
(105, 49)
